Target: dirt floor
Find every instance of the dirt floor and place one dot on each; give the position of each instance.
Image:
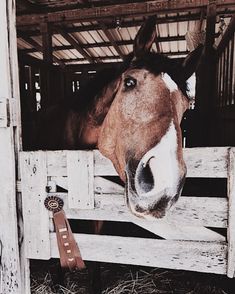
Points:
(122, 279)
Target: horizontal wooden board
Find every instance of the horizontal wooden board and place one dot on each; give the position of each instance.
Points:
(186, 255)
(190, 211)
(202, 162)
(124, 10)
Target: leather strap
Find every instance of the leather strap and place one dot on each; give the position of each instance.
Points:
(70, 256)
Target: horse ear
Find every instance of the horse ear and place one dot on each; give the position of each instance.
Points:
(145, 37)
(191, 62)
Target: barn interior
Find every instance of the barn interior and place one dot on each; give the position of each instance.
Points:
(62, 44)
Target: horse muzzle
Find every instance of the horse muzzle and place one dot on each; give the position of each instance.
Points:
(151, 189)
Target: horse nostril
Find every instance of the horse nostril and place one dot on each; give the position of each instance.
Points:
(145, 179)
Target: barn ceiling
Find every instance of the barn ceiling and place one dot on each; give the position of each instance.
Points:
(78, 36)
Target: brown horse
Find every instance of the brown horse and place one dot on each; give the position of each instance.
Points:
(132, 114)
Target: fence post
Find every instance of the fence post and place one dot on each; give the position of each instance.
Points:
(231, 212)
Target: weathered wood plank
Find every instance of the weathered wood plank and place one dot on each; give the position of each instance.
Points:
(200, 162)
(210, 162)
(226, 36)
(56, 163)
(129, 9)
(177, 231)
(35, 215)
(192, 211)
(11, 279)
(80, 167)
(4, 113)
(195, 256)
(101, 185)
(164, 228)
(231, 208)
(105, 186)
(11, 282)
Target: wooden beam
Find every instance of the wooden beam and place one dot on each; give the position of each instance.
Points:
(157, 45)
(227, 35)
(30, 60)
(130, 9)
(157, 39)
(111, 25)
(200, 23)
(206, 78)
(75, 44)
(100, 44)
(104, 44)
(38, 48)
(106, 58)
(46, 42)
(91, 67)
(210, 26)
(47, 77)
(111, 39)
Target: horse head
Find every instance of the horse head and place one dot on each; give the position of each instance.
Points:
(141, 132)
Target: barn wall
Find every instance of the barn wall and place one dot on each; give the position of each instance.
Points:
(38, 93)
(212, 122)
(224, 108)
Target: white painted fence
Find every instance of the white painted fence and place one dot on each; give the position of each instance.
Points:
(189, 245)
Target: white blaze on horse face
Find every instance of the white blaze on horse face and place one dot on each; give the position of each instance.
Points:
(165, 169)
(171, 85)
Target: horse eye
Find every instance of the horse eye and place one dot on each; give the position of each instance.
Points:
(130, 83)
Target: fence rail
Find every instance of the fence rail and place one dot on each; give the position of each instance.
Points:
(91, 194)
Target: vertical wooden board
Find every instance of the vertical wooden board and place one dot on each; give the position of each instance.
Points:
(11, 276)
(80, 170)
(11, 282)
(35, 215)
(231, 216)
(4, 114)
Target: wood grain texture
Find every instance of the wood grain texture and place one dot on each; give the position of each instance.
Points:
(231, 227)
(193, 211)
(208, 162)
(12, 282)
(80, 168)
(113, 208)
(36, 217)
(4, 113)
(186, 221)
(124, 10)
(186, 255)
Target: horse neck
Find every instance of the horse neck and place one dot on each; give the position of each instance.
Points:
(81, 131)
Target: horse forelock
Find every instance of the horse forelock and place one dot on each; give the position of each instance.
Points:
(157, 64)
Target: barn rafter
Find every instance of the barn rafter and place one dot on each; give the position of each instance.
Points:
(117, 10)
(74, 43)
(38, 48)
(103, 31)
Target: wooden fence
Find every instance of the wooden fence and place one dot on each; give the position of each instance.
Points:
(188, 243)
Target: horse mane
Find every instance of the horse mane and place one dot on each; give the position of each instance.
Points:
(85, 99)
(158, 63)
